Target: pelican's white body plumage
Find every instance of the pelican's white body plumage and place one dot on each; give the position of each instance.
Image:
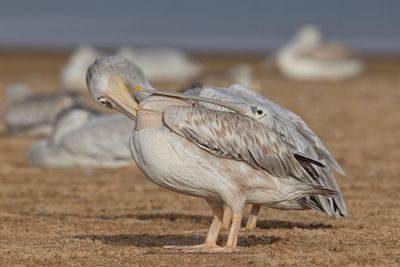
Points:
(74, 71)
(162, 63)
(306, 57)
(81, 138)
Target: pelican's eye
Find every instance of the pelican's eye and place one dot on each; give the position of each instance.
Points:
(104, 102)
(258, 112)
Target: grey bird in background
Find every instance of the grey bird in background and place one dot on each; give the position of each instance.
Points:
(31, 113)
(83, 138)
(72, 76)
(228, 158)
(308, 57)
(165, 64)
(242, 74)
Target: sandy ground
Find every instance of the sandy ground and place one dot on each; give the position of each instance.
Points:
(118, 217)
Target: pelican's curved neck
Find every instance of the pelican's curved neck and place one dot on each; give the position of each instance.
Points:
(140, 95)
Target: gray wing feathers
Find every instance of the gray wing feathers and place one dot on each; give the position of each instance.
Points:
(234, 136)
(289, 125)
(295, 131)
(293, 124)
(297, 136)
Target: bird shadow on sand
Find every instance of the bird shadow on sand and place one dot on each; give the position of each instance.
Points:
(157, 240)
(201, 219)
(171, 216)
(261, 224)
(276, 224)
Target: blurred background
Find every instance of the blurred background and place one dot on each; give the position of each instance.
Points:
(210, 26)
(69, 190)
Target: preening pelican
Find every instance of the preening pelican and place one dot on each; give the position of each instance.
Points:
(72, 77)
(306, 57)
(162, 63)
(33, 113)
(242, 74)
(229, 158)
(81, 137)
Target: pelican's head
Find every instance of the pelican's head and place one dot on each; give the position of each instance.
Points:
(308, 37)
(111, 80)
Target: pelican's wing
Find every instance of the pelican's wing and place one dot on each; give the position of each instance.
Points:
(298, 137)
(291, 127)
(234, 136)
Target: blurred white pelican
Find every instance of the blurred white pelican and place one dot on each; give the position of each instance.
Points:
(73, 74)
(225, 157)
(242, 74)
(307, 57)
(162, 63)
(81, 137)
(33, 113)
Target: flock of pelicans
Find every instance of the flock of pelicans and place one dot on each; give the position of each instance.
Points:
(230, 146)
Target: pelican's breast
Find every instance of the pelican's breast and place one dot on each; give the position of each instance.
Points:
(174, 163)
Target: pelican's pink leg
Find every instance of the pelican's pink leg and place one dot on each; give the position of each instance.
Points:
(233, 232)
(212, 236)
(226, 222)
(232, 237)
(252, 220)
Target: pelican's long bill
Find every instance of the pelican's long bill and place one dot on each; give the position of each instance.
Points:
(119, 95)
(235, 106)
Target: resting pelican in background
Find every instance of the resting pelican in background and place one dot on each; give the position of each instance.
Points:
(82, 137)
(306, 57)
(73, 74)
(33, 113)
(228, 158)
(242, 74)
(162, 63)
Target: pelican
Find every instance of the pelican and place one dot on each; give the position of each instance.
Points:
(162, 63)
(306, 57)
(83, 138)
(228, 158)
(72, 77)
(242, 74)
(33, 114)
